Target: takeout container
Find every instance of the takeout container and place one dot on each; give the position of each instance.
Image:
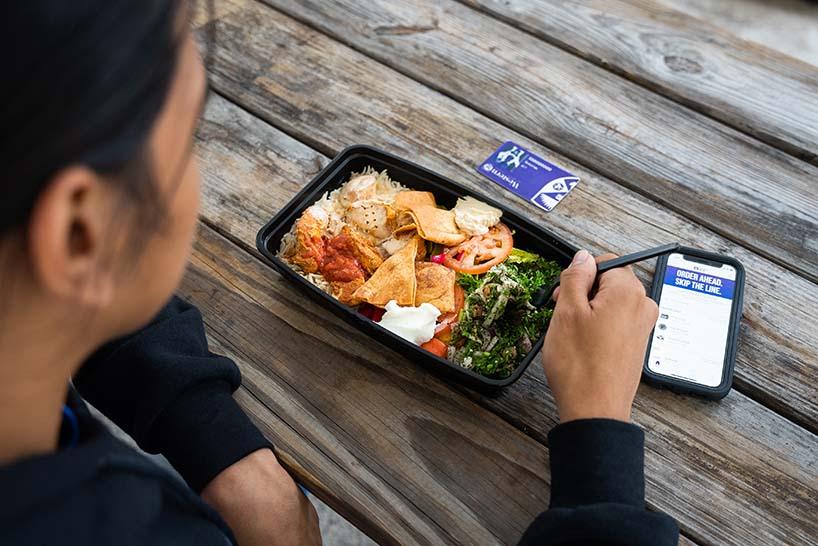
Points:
(527, 236)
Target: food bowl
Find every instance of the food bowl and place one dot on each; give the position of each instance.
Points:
(527, 236)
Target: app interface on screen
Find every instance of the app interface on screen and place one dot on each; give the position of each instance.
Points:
(690, 337)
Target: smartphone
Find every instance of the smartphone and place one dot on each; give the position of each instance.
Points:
(692, 348)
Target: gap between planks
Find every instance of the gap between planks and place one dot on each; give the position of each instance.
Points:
(327, 154)
(280, 428)
(650, 182)
(244, 130)
(767, 390)
(683, 58)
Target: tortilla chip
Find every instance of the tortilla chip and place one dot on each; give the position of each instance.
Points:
(421, 255)
(393, 280)
(437, 225)
(405, 229)
(407, 200)
(435, 285)
(345, 291)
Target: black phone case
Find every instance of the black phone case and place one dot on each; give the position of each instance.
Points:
(689, 387)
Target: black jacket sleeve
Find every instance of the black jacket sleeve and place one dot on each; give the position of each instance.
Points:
(172, 395)
(598, 490)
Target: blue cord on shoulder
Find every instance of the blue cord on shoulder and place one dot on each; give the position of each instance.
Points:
(73, 425)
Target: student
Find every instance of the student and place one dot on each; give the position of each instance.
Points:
(98, 203)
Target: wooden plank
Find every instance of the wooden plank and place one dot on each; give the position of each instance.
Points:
(748, 86)
(389, 447)
(431, 465)
(713, 174)
(329, 96)
(789, 26)
(729, 453)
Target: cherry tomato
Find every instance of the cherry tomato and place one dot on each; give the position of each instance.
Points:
(481, 252)
(436, 347)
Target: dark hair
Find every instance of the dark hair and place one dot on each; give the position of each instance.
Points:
(83, 84)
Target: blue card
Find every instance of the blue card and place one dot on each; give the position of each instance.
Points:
(528, 175)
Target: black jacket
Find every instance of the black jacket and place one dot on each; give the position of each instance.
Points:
(165, 389)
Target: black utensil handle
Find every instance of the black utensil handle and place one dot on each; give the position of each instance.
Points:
(544, 294)
(629, 259)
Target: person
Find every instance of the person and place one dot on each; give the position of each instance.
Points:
(98, 205)
(592, 355)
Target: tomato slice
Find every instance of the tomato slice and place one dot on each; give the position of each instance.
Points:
(436, 347)
(481, 252)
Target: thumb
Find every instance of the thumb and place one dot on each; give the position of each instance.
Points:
(577, 280)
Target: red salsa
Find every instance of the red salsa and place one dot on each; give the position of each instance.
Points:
(340, 263)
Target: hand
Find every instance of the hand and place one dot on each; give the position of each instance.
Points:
(262, 504)
(594, 348)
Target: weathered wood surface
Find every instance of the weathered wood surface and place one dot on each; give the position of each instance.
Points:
(389, 446)
(329, 97)
(442, 469)
(789, 26)
(733, 472)
(746, 85)
(689, 162)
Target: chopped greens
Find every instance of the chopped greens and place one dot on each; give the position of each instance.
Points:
(518, 256)
(498, 325)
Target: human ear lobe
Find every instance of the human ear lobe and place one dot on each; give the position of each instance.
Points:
(65, 238)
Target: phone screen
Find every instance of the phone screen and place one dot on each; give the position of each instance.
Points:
(690, 338)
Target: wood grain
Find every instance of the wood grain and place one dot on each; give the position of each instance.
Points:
(330, 97)
(299, 412)
(431, 465)
(748, 86)
(731, 473)
(694, 165)
(788, 26)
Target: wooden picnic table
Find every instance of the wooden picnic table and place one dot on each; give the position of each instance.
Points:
(679, 132)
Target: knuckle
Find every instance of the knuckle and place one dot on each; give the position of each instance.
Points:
(566, 313)
(621, 278)
(570, 273)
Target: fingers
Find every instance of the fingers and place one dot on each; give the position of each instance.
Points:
(605, 257)
(599, 259)
(619, 283)
(620, 278)
(620, 286)
(576, 281)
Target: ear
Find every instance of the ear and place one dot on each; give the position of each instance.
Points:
(66, 242)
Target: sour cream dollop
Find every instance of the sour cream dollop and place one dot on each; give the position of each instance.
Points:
(415, 324)
(474, 217)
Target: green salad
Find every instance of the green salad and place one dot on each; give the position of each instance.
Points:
(498, 325)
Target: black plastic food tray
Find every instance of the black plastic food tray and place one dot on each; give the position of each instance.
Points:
(527, 236)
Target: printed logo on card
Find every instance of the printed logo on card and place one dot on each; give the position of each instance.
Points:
(553, 192)
(528, 176)
(511, 157)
